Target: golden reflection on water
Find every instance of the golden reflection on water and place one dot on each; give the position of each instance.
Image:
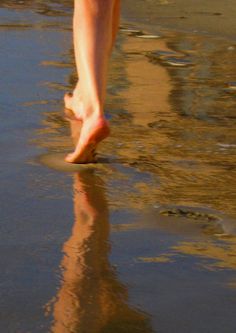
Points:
(149, 86)
(91, 298)
(213, 253)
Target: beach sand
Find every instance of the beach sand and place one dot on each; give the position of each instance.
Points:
(216, 18)
(145, 240)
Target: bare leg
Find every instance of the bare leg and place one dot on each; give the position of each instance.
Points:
(93, 38)
(73, 101)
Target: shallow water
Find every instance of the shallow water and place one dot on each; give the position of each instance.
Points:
(144, 241)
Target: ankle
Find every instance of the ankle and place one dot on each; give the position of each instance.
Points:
(96, 114)
(93, 110)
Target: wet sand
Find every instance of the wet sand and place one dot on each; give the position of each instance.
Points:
(144, 241)
(216, 18)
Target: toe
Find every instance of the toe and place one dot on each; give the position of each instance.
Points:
(69, 158)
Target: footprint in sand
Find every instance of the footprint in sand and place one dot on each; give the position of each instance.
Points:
(195, 220)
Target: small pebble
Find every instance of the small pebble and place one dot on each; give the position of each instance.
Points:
(178, 62)
(131, 31)
(148, 36)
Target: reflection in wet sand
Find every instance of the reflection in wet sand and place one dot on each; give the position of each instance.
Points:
(91, 298)
(215, 254)
(149, 84)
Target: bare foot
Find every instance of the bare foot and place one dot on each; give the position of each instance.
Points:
(93, 131)
(73, 106)
(75, 129)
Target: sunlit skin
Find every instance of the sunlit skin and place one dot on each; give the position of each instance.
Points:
(95, 26)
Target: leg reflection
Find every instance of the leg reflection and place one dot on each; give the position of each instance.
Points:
(91, 299)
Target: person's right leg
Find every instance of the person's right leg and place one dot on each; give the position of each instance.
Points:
(72, 101)
(93, 39)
